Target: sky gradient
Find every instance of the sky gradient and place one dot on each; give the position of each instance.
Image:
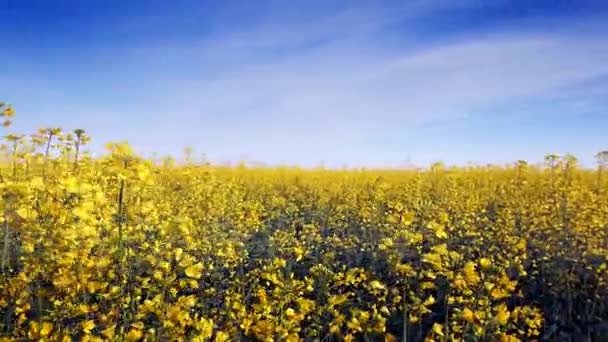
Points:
(361, 83)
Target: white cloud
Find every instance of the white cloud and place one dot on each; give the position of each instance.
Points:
(340, 95)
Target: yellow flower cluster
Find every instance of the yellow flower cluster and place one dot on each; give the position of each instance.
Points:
(120, 248)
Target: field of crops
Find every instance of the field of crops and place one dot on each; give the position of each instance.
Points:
(121, 248)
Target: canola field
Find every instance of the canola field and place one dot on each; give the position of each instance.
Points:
(120, 248)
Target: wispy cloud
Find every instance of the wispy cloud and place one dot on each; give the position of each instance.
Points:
(326, 85)
(346, 93)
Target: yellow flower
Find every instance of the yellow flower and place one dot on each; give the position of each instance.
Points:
(221, 336)
(405, 269)
(441, 234)
(108, 332)
(376, 285)
(299, 253)
(385, 244)
(290, 313)
(205, 327)
(46, 329)
(194, 271)
(71, 185)
(134, 334)
(470, 273)
(468, 315)
(280, 262)
(429, 301)
(87, 326)
(33, 330)
(433, 259)
(508, 338)
(485, 263)
(438, 329)
(27, 213)
(8, 112)
(498, 293)
(306, 305)
(390, 338)
(502, 314)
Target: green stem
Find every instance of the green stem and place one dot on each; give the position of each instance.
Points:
(46, 154)
(5, 245)
(405, 315)
(121, 246)
(77, 147)
(14, 159)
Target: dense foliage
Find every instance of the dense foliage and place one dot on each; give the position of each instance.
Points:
(121, 248)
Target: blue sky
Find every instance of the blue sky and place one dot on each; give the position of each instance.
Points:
(374, 83)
